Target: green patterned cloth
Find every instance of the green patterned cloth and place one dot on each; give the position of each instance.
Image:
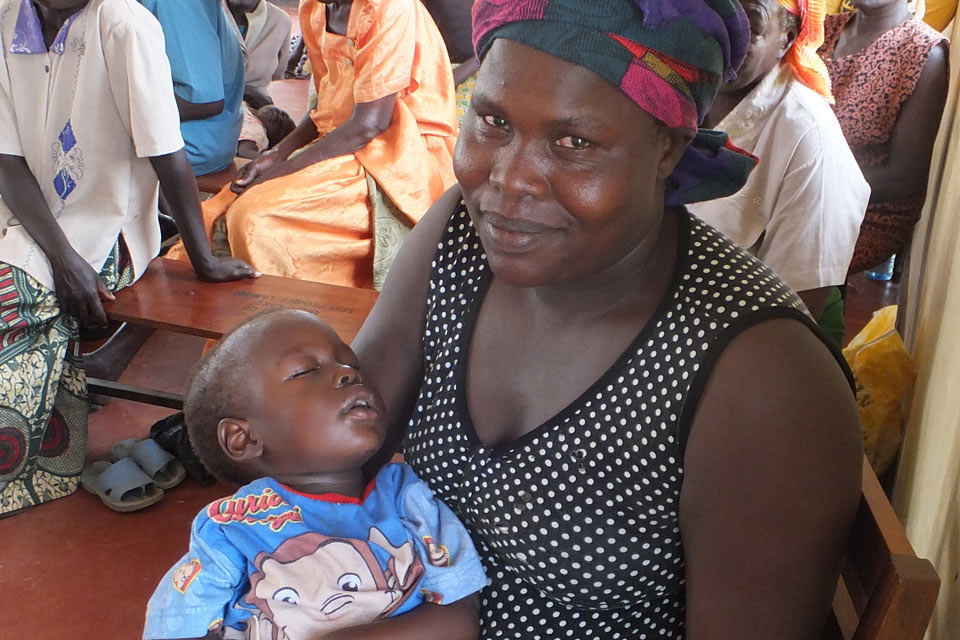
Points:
(43, 389)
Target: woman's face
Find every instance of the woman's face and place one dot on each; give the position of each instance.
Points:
(562, 173)
(771, 36)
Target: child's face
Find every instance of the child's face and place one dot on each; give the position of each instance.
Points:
(275, 121)
(312, 411)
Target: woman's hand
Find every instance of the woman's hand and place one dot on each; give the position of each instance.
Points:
(256, 171)
(455, 621)
(225, 270)
(80, 291)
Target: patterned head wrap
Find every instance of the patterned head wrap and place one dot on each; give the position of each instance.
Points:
(802, 56)
(669, 57)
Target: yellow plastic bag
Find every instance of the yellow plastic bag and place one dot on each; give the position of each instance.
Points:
(884, 372)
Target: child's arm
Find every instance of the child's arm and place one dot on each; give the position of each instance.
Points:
(195, 595)
(456, 621)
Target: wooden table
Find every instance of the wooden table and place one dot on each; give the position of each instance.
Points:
(168, 296)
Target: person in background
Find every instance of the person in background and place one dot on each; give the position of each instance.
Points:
(206, 59)
(890, 75)
(453, 20)
(801, 209)
(264, 30)
(939, 13)
(82, 155)
(370, 159)
(262, 129)
(629, 412)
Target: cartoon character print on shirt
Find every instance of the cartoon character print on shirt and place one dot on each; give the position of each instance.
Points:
(67, 162)
(438, 554)
(314, 582)
(185, 574)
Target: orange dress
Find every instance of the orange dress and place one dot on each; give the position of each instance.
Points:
(316, 224)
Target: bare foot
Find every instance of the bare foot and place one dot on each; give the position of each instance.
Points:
(109, 361)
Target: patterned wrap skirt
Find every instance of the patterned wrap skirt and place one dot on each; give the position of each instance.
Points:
(43, 388)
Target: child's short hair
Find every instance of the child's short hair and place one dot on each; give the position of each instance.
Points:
(278, 126)
(217, 390)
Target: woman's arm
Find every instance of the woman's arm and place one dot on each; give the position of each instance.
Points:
(198, 110)
(78, 287)
(180, 188)
(459, 620)
(464, 70)
(389, 343)
(914, 134)
(771, 486)
(368, 120)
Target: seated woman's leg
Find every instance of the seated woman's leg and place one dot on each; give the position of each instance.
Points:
(43, 394)
(314, 224)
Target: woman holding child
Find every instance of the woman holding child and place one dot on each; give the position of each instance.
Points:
(634, 418)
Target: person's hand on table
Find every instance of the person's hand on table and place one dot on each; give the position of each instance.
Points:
(225, 270)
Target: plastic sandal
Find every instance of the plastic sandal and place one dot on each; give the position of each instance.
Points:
(165, 470)
(122, 485)
(171, 434)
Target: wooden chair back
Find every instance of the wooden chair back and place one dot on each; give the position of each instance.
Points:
(885, 591)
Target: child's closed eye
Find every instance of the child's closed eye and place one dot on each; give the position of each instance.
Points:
(302, 372)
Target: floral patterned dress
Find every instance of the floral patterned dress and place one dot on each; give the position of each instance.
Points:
(870, 87)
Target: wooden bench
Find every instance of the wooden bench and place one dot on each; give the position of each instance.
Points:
(211, 183)
(885, 591)
(169, 296)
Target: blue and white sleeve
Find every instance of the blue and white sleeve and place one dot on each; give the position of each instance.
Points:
(452, 567)
(195, 594)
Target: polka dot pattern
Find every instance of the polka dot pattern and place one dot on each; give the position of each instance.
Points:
(577, 521)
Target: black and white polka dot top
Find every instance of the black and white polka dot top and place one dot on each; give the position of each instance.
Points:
(577, 520)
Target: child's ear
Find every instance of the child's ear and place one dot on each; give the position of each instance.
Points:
(237, 440)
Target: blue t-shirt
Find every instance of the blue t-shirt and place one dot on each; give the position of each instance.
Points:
(206, 59)
(270, 556)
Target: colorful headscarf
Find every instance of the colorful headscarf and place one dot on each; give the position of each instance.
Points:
(669, 57)
(802, 56)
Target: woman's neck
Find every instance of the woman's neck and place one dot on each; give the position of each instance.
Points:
(724, 103)
(635, 279)
(876, 20)
(239, 16)
(338, 16)
(51, 20)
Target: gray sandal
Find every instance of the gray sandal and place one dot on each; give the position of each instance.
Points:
(165, 470)
(122, 485)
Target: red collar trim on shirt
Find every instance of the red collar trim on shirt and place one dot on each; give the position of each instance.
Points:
(336, 498)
